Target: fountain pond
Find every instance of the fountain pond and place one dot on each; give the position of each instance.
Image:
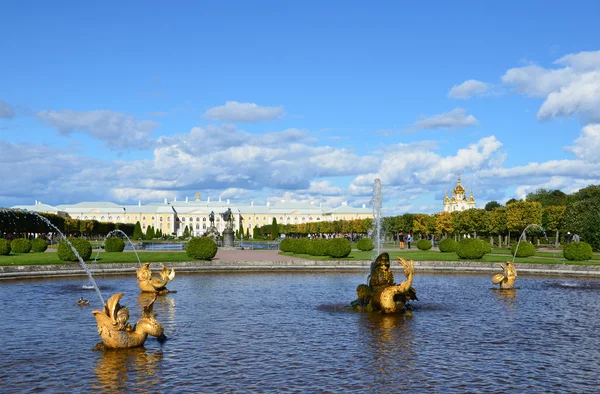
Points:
(267, 332)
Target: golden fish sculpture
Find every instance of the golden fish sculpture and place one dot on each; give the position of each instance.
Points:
(382, 294)
(507, 278)
(115, 330)
(151, 284)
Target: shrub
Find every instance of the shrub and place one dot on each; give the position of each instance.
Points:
(338, 247)
(203, 248)
(301, 246)
(448, 245)
(318, 247)
(39, 245)
(365, 244)
(114, 244)
(83, 247)
(526, 249)
(578, 251)
(486, 246)
(424, 244)
(4, 247)
(470, 248)
(20, 245)
(286, 245)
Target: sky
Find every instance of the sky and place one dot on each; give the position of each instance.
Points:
(297, 100)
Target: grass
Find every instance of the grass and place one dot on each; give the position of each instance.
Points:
(497, 255)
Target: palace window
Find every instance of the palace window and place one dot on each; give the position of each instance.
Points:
(168, 219)
(198, 219)
(101, 217)
(204, 219)
(198, 226)
(183, 219)
(118, 218)
(318, 219)
(160, 219)
(136, 218)
(110, 218)
(153, 218)
(93, 218)
(204, 226)
(143, 218)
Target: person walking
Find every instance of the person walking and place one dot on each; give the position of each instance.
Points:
(408, 239)
(401, 238)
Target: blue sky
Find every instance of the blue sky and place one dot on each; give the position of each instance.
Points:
(295, 100)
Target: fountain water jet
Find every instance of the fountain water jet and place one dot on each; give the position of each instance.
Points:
(64, 238)
(125, 235)
(376, 201)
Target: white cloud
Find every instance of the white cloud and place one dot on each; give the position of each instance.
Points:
(587, 145)
(236, 112)
(452, 120)
(571, 90)
(115, 129)
(6, 110)
(468, 89)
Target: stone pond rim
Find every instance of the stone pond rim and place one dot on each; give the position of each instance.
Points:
(63, 270)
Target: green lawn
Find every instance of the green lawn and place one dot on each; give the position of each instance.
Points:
(104, 257)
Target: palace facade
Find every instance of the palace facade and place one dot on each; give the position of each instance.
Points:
(174, 216)
(459, 200)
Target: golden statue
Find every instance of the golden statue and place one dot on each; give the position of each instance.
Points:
(382, 294)
(507, 278)
(115, 330)
(154, 285)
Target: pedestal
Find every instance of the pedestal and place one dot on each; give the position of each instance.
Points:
(228, 237)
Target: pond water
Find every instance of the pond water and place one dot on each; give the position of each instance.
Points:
(289, 333)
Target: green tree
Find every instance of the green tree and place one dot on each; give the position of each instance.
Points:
(520, 214)
(498, 223)
(149, 233)
(490, 206)
(186, 232)
(240, 231)
(583, 216)
(256, 232)
(553, 219)
(443, 223)
(137, 231)
(274, 229)
(548, 197)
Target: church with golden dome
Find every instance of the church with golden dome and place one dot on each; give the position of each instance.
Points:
(459, 200)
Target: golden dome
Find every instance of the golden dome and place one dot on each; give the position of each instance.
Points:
(453, 199)
(446, 200)
(472, 199)
(459, 189)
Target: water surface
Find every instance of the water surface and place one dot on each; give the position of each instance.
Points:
(291, 333)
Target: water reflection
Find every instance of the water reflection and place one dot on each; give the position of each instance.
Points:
(119, 370)
(507, 297)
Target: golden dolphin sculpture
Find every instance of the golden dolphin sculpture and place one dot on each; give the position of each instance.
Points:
(382, 294)
(507, 278)
(151, 284)
(115, 330)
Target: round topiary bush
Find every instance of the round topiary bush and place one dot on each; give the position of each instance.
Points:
(424, 244)
(203, 248)
(114, 244)
(20, 245)
(301, 246)
(4, 247)
(526, 249)
(486, 245)
(470, 248)
(39, 245)
(318, 247)
(365, 244)
(578, 251)
(83, 247)
(286, 245)
(338, 247)
(448, 245)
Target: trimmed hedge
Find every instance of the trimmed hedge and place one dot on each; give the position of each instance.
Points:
(203, 248)
(114, 244)
(424, 244)
(4, 247)
(83, 247)
(470, 248)
(339, 247)
(286, 245)
(318, 247)
(578, 251)
(486, 245)
(526, 249)
(365, 244)
(39, 245)
(448, 245)
(20, 245)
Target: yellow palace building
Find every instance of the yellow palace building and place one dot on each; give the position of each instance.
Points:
(173, 216)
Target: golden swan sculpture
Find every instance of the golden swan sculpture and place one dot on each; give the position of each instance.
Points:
(151, 284)
(382, 294)
(507, 278)
(115, 330)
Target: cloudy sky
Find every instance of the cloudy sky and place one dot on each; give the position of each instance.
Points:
(127, 101)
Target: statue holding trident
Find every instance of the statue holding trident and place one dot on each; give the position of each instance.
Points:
(211, 218)
(228, 218)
